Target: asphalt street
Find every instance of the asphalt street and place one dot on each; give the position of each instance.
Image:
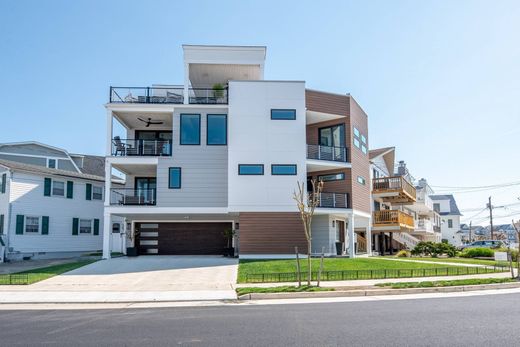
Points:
(490, 320)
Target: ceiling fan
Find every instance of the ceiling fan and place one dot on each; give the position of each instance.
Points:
(150, 121)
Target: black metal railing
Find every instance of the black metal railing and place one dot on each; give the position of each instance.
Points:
(132, 197)
(373, 274)
(334, 200)
(329, 153)
(208, 96)
(22, 279)
(147, 95)
(146, 148)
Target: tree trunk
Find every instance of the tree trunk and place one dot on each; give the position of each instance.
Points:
(309, 264)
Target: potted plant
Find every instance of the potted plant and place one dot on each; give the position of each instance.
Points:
(229, 234)
(218, 91)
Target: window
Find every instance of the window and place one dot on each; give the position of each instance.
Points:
(282, 169)
(85, 226)
(356, 142)
(359, 140)
(174, 178)
(437, 207)
(363, 139)
(51, 163)
(216, 130)
(250, 169)
(333, 177)
(450, 223)
(32, 224)
(190, 129)
(58, 188)
(277, 114)
(356, 132)
(333, 136)
(116, 228)
(97, 193)
(361, 180)
(364, 149)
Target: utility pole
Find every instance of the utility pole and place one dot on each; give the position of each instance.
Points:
(491, 217)
(470, 231)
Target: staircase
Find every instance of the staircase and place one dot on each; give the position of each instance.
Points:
(361, 244)
(406, 239)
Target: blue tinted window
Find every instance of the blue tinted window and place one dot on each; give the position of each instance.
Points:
(216, 129)
(174, 178)
(283, 114)
(250, 169)
(190, 129)
(332, 177)
(279, 169)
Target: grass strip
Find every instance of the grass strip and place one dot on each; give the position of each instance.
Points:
(450, 283)
(40, 274)
(282, 289)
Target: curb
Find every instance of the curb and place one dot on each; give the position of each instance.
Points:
(377, 292)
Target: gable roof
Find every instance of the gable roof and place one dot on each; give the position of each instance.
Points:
(388, 155)
(48, 171)
(93, 165)
(454, 209)
(373, 153)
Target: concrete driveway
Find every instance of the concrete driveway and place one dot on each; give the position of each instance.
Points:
(180, 277)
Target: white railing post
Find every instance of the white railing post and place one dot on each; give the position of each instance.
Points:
(333, 199)
(319, 152)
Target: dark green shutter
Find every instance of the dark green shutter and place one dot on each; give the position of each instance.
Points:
(1, 224)
(19, 224)
(70, 189)
(45, 225)
(47, 187)
(96, 226)
(75, 226)
(88, 192)
(2, 187)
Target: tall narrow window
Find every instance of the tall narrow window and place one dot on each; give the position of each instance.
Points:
(174, 178)
(190, 129)
(216, 131)
(97, 193)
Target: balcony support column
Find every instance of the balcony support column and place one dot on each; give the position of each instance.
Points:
(186, 83)
(107, 236)
(369, 237)
(351, 237)
(110, 122)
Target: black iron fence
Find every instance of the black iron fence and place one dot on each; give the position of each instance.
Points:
(21, 279)
(374, 274)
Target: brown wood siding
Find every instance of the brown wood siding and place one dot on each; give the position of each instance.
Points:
(354, 116)
(271, 233)
(327, 102)
(360, 161)
(342, 186)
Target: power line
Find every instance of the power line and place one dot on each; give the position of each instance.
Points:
(478, 187)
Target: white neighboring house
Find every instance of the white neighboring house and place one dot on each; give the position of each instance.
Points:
(446, 206)
(51, 203)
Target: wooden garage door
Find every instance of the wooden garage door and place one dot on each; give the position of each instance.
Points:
(191, 238)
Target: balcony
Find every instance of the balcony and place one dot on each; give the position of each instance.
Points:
(142, 148)
(395, 190)
(132, 197)
(424, 226)
(334, 200)
(318, 152)
(392, 220)
(168, 95)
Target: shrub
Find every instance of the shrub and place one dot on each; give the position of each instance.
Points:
(423, 248)
(477, 252)
(403, 254)
(434, 249)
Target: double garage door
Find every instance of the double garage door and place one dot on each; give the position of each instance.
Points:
(181, 238)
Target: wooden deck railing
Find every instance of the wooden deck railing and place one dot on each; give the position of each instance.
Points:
(393, 184)
(392, 217)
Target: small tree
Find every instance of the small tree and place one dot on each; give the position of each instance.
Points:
(307, 203)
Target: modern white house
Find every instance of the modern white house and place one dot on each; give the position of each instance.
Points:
(51, 202)
(225, 151)
(446, 206)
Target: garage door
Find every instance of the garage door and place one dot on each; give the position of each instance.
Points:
(183, 238)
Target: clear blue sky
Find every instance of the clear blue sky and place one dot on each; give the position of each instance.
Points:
(440, 80)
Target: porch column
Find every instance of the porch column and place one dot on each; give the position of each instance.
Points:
(124, 237)
(391, 243)
(369, 237)
(186, 82)
(109, 134)
(107, 236)
(351, 237)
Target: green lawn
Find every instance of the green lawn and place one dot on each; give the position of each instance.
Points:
(460, 260)
(282, 289)
(251, 266)
(427, 284)
(43, 273)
